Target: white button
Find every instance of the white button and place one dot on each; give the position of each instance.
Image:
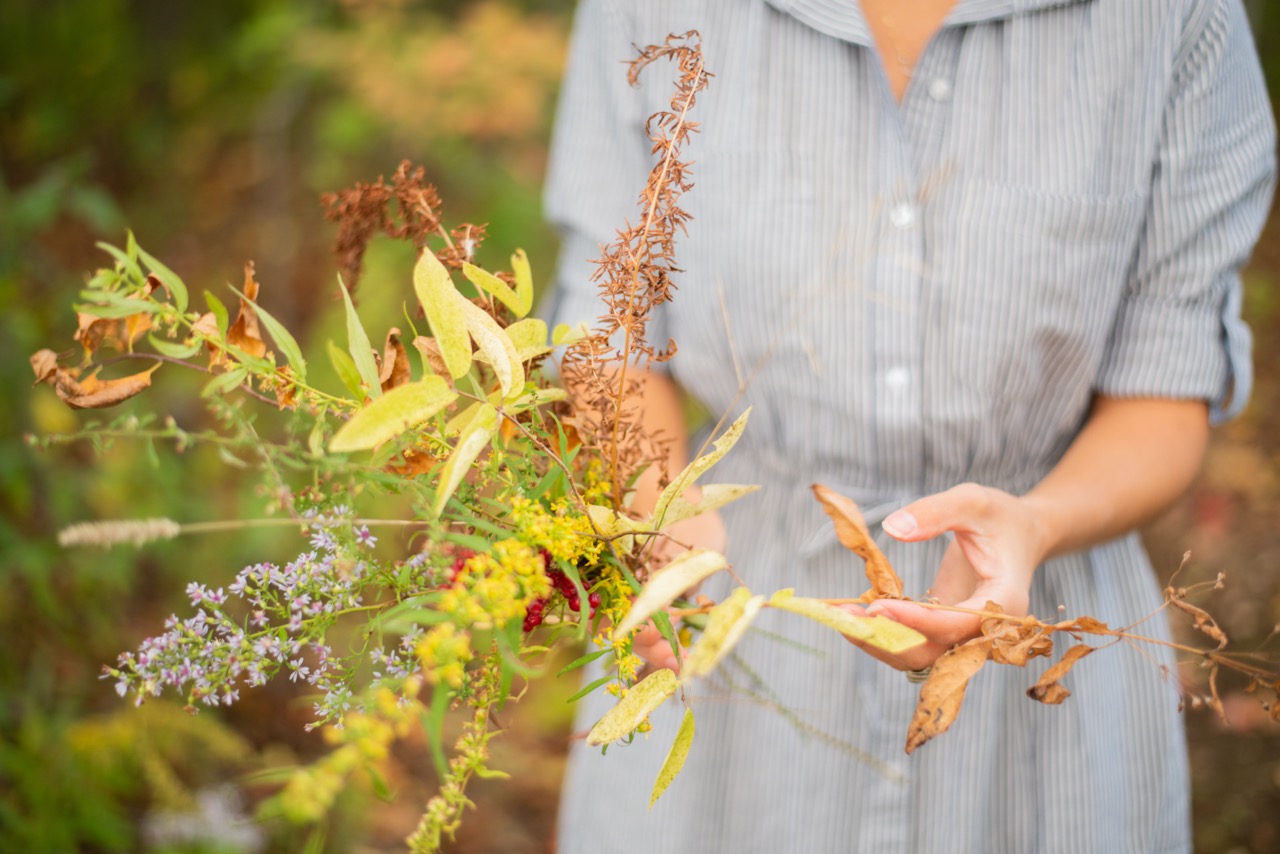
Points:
(939, 89)
(896, 379)
(902, 216)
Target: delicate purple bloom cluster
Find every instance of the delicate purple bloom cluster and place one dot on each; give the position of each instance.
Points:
(289, 608)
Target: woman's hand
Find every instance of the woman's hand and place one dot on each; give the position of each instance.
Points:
(999, 542)
(706, 531)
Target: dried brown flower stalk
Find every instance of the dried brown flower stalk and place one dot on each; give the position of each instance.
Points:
(635, 277)
(365, 210)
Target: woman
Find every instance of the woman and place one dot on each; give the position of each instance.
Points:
(974, 264)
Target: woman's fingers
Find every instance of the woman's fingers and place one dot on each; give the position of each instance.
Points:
(960, 508)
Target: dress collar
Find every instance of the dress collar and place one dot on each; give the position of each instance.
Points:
(843, 19)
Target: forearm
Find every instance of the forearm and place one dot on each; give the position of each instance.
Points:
(662, 417)
(1133, 458)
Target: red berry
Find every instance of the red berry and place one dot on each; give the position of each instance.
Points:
(594, 601)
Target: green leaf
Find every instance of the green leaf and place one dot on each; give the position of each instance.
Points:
(433, 726)
(695, 469)
(219, 313)
(224, 382)
(445, 313)
(726, 624)
(346, 370)
(488, 282)
(529, 337)
(474, 439)
(112, 306)
(497, 348)
(174, 350)
(524, 282)
(688, 570)
(675, 757)
(714, 496)
(587, 689)
(880, 632)
(584, 660)
(360, 347)
(644, 696)
(177, 289)
(130, 266)
(390, 415)
(285, 341)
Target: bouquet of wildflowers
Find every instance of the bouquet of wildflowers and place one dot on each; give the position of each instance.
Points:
(516, 535)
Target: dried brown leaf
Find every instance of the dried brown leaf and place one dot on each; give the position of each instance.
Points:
(394, 370)
(1088, 625)
(94, 393)
(207, 328)
(852, 531)
(1215, 700)
(1047, 689)
(431, 350)
(44, 364)
(244, 333)
(943, 692)
(1201, 618)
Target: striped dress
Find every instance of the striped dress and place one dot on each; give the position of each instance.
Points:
(913, 296)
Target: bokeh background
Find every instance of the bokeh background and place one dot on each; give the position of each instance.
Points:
(210, 129)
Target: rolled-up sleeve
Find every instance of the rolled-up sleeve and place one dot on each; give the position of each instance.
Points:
(1179, 333)
(599, 160)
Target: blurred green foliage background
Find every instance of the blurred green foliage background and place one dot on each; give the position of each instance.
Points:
(210, 129)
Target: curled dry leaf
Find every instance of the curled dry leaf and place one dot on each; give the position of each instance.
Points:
(394, 371)
(1215, 700)
(1015, 642)
(244, 333)
(1047, 689)
(1084, 625)
(943, 692)
(430, 350)
(1201, 618)
(851, 528)
(206, 328)
(94, 393)
(44, 364)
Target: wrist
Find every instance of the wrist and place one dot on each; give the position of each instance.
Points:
(1045, 526)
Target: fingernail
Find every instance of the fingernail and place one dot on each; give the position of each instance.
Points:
(899, 524)
(874, 609)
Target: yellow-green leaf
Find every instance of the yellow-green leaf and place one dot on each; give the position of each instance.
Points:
(880, 632)
(695, 469)
(443, 306)
(474, 439)
(360, 347)
(171, 281)
(564, 334)
(688, 570)
(726, 624)
(631, 711)
(611, 523)
(530, 338)
(489, 283)
(390, 415)
(714, 496)
(675, 757)
(524, 282)
(496, 347)
(346, 370)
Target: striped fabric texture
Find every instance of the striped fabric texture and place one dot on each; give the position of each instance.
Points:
(913, 296)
